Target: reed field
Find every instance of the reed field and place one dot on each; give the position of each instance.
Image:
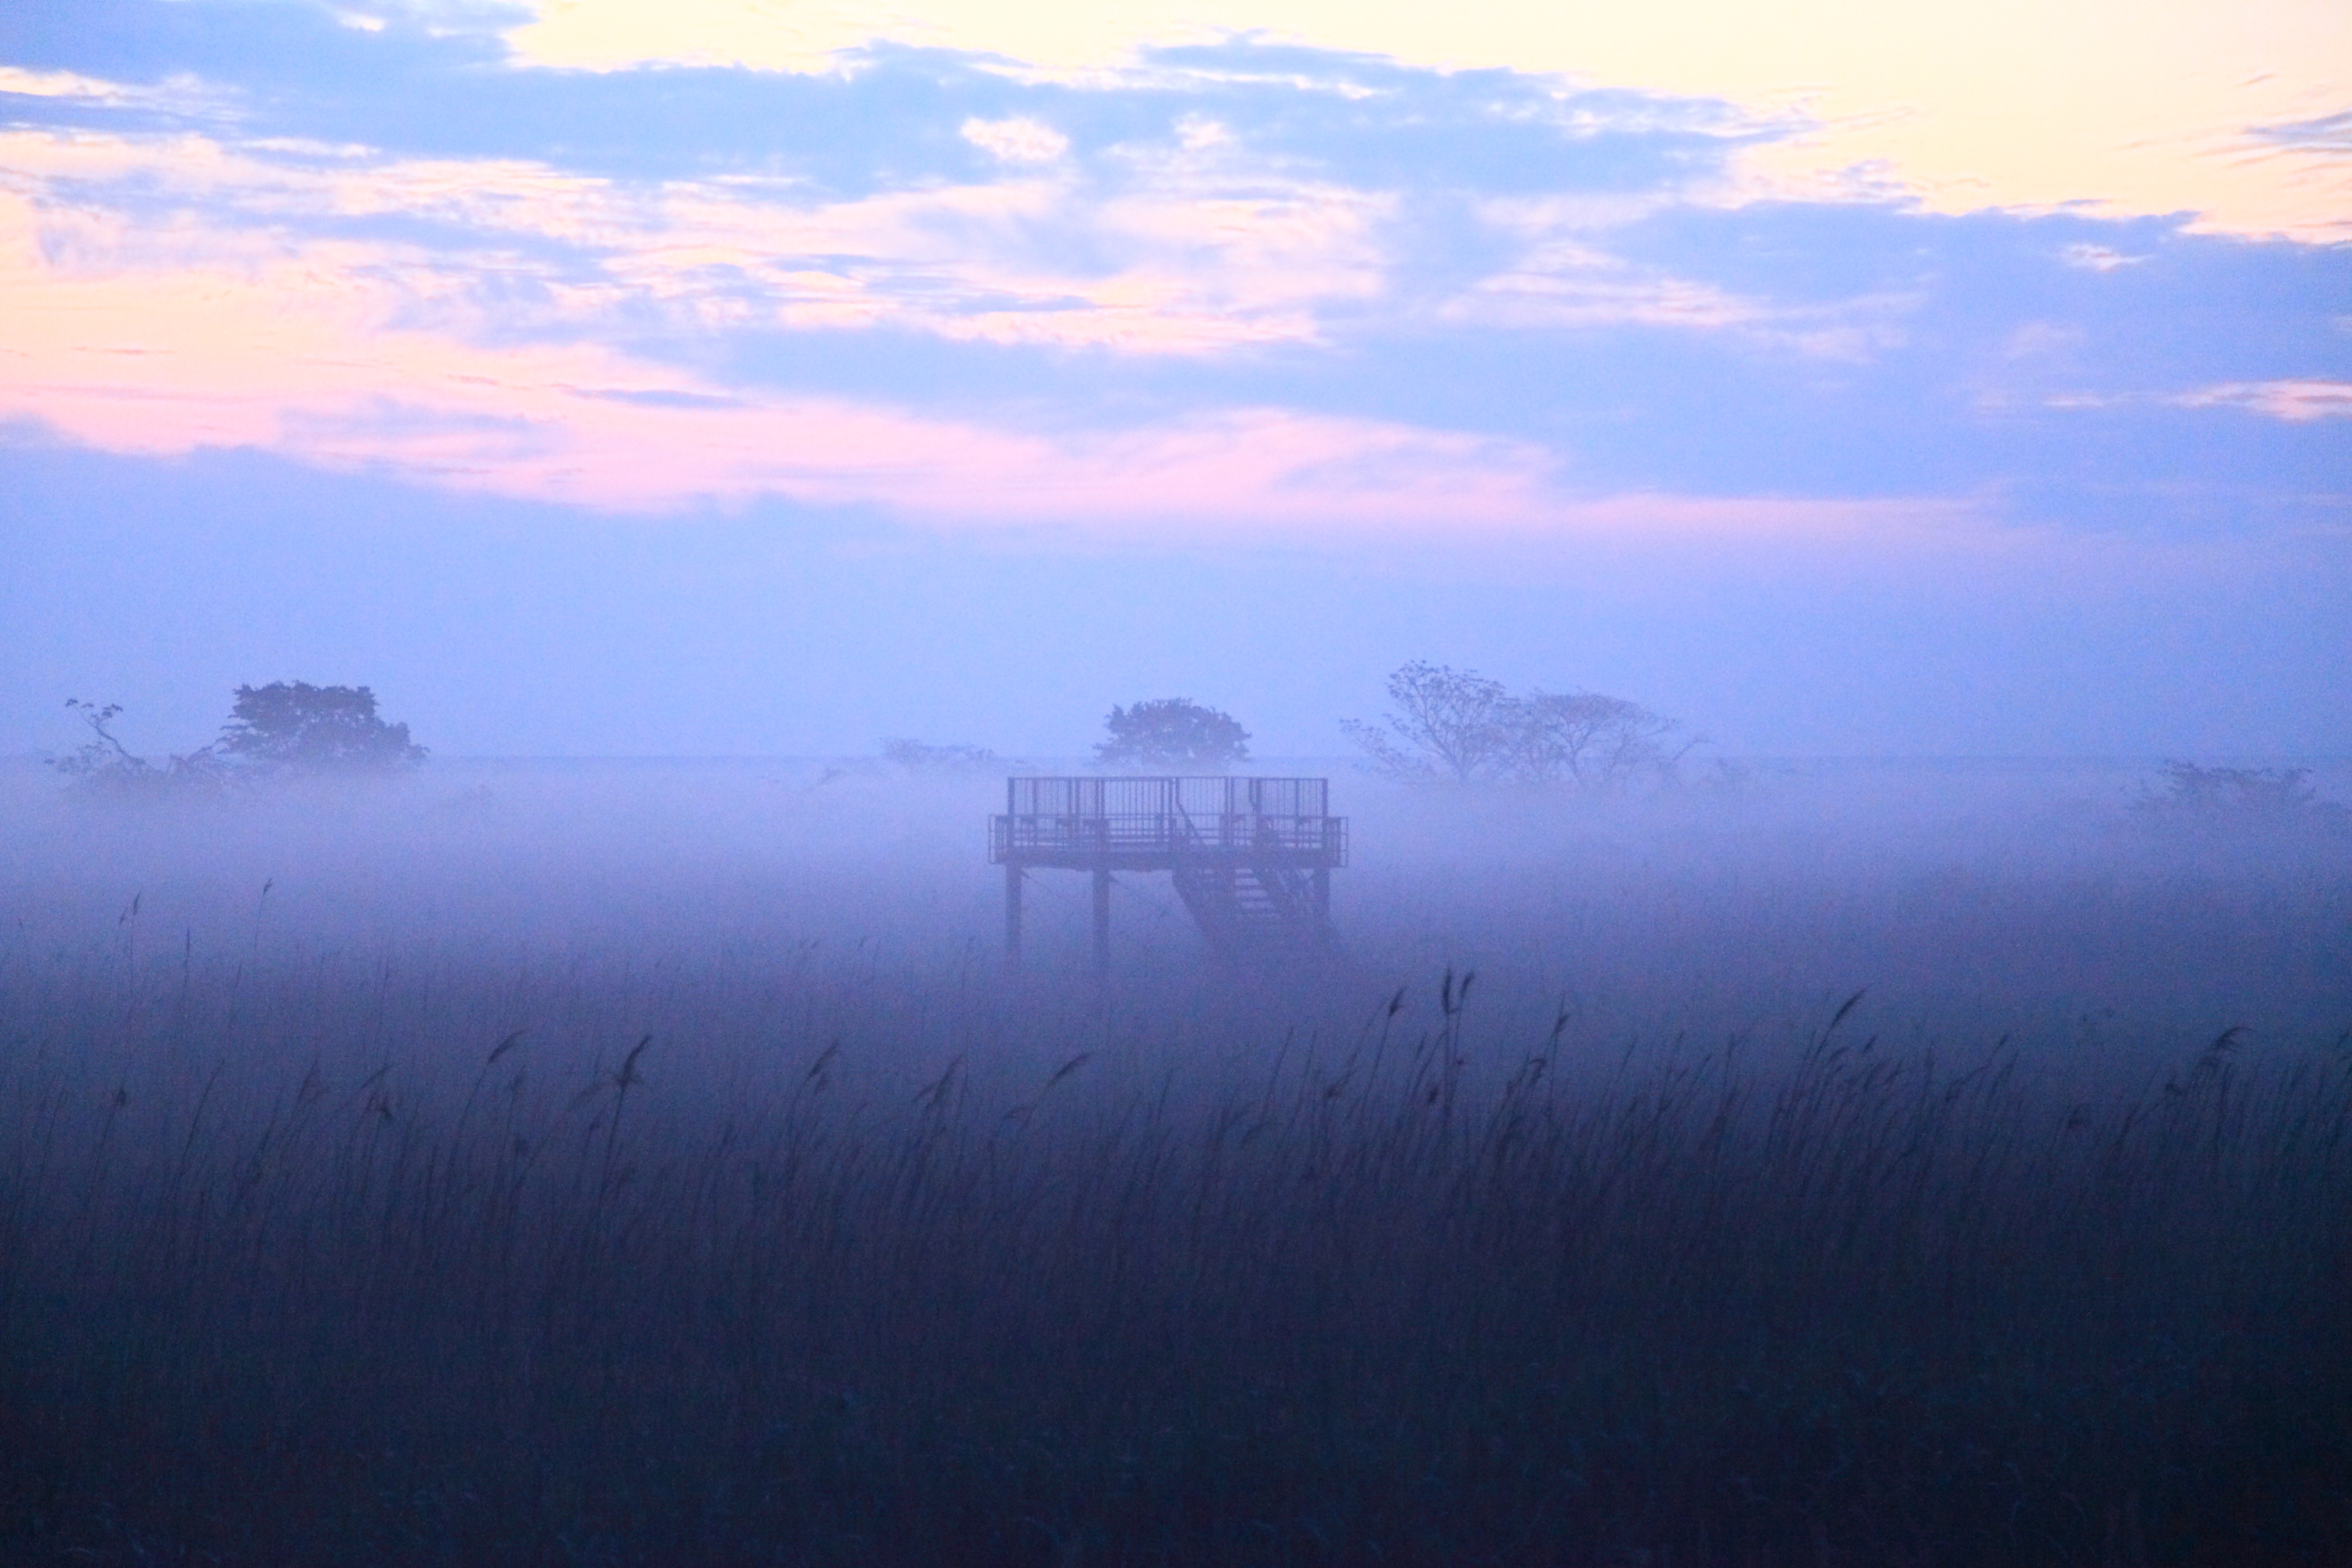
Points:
(630, 1165)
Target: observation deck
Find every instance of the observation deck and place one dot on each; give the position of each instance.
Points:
(1251, 858)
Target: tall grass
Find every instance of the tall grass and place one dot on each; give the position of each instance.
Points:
(444, 1288)
(640, 1171)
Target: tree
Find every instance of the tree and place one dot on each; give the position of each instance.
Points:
(104, 765)
(1457, 726)
(2241, 797)
(103, 760)
(1172, 733)
(296, 727)
(1448, 723)
(1587, 739)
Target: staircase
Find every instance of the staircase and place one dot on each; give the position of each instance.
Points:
(1244, 909)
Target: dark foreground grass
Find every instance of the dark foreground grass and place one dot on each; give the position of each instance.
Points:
(1361, 1305)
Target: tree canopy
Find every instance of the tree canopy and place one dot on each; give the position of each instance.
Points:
(1172, 733)
(1446, 723)
(2241, 797)
(302, 728)
(1460, 727)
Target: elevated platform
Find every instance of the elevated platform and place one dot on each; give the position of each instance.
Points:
(1252, 857)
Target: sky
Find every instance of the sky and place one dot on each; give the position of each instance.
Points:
(597, 377)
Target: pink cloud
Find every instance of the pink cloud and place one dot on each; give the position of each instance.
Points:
(344, 355)
(1203, 258)
(299, 352)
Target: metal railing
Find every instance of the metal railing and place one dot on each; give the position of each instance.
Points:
(1172, 834)
(1197, 795)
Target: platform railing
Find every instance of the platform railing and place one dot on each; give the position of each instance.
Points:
(1198, 794)
(1169, 833)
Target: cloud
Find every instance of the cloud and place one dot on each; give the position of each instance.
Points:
(2291, 401)
(1561, 280)
(15, 82)
(1182, 260)
(2327, 134)
(2296, 401)
(2097, 258)
(1566, 288)
(319, 353)
(1412, 271)
(1894, 108)
(1831, 102)
(1017, 139)
(308, 355)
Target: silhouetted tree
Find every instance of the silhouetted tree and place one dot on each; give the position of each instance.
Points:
(296, 727)
(1457, 726)
(1447, 723)
(282, 729)
(104, 765)
(2241, 796)
(1172, 733)
(1588, 739)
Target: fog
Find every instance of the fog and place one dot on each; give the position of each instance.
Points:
(786, 904)
(750, 918)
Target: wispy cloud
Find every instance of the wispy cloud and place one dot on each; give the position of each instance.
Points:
(1183, 258)
(2097, 258)
(307, 353)
(181, 92)
(2296, 401)
(1566, 283)
(1016, 140)
(2326, 134)
(1563, 279)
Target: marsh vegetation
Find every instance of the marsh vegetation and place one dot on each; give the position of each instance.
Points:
(637, 1165)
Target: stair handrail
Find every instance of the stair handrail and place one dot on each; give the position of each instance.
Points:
(1186, 832)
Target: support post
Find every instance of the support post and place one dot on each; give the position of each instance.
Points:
(1012, 913)
(1102, 921)
(1323, 894)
